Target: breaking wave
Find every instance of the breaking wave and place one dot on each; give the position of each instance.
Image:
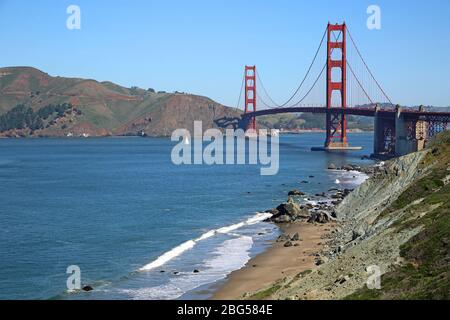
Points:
(188, 245)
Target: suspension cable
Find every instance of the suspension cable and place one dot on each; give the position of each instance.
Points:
(312, 87)
(263, 102)
(240, 92)
(306, 75)
(367, 67)
(265, 91)
(320, 74)
(357, 80)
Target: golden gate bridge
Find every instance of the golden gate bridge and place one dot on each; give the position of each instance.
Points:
(341, 84)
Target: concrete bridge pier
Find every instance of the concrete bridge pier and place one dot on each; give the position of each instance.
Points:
(405, 134)
(377, 133)
(384, 135)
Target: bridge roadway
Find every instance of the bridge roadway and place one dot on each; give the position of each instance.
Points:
(357, 111)
(397, 131)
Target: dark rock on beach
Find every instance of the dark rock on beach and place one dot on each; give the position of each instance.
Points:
(320, 217)
(288, 244)
(321, 260)
(288, 212)
(332, 166)
(283, 238)
(296, 237)
(295, 192)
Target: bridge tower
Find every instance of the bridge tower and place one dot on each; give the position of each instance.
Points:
(250, 95)
(336, 125)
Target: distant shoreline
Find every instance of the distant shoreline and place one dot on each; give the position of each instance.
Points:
(352, 131)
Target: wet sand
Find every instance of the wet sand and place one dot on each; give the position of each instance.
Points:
(277, 262)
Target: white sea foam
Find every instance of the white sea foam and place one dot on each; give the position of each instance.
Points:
(231, 255)
(349, 178)
(169, 255)
(188, 245)
(355, 177)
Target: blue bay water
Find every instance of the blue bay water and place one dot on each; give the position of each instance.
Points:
(113, 206)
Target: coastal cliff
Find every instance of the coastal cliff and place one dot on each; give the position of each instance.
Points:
(397, 222)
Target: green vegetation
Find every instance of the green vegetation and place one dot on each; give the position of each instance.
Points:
(265, 294)
(426, 275)
(22, 117)
(134, 91)
(59, 110)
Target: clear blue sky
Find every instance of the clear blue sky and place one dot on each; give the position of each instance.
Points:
(201, 46)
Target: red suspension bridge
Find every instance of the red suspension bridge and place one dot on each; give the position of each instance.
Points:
(342, 84)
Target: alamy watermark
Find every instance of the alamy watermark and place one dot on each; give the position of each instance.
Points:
(227, 149)
(374, 19)
(73, 22)
(74, 280)
(374, 280)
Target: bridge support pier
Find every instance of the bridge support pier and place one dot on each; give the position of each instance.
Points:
(384, 135)
(405, 134)
(398, 135)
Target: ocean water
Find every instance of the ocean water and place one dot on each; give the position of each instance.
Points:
(137, 225)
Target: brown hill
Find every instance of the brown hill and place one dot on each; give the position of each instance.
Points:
(104, 108)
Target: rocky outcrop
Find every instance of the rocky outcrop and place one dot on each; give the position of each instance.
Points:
(320, 217)
(289, 211)
(365, 237)
(295, 192)
(387, 183)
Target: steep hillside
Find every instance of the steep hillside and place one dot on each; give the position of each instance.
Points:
(398, 222)
(103, 108)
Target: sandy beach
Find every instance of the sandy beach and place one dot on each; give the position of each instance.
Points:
(277, 262)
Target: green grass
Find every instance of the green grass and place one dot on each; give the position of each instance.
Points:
(265, 294)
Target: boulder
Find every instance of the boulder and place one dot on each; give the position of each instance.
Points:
(321, 260)
(319, 217)
(295, 192)
(358, 232)
(342, 279)
(196, 271)
(288, 244)
(282, 219)
(273, 211)
(87, 288)
(331, 166)
(296, 237)
(288, 212)
(291, 209)
(283, 238)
